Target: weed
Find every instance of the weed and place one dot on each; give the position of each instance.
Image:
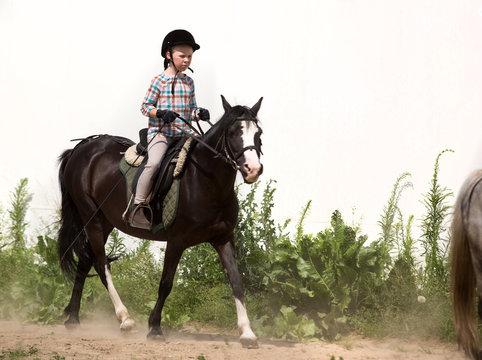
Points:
(18, 353)
(20, 200)
(435, 246)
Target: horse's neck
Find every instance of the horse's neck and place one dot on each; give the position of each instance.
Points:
(215, 169)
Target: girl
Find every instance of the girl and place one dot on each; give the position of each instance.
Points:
(171, 94)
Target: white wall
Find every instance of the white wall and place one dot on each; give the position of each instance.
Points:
(355, 92)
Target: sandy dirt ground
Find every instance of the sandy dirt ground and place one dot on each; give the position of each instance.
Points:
(103, 340)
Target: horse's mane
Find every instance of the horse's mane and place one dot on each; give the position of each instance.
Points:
(228, 119)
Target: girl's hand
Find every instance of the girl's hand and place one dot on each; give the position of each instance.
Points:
(203, 114)
(167, 116)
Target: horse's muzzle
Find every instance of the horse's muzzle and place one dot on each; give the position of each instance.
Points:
(251, 173)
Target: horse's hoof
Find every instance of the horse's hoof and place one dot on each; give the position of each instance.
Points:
(249, 343)
(155, 335)
(72, 324)
(128, 326)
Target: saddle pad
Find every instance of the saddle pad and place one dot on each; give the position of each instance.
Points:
(169, 203)
(132, 157)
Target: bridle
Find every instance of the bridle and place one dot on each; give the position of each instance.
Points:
(226, 153)
(230, 154)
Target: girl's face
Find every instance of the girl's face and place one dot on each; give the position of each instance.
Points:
(181, 56)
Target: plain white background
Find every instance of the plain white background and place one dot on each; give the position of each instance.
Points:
(355, 92)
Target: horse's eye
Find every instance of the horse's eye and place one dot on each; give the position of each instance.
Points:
(235, 131)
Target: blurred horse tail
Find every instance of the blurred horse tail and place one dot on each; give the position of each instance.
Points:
(466, 263)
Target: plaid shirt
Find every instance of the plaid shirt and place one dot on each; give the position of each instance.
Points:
(183, 102)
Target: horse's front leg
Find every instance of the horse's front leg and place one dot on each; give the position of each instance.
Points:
(171, 260)
(227, 255)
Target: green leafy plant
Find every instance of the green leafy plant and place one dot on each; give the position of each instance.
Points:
(20, 199)
(3, 227)
(19, 353)
(320, 276)
(115, 247)
(200, 266)
(291, 326)
(391, 210)
(255, 234)
(434, 245)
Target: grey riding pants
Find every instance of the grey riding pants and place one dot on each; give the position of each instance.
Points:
(156, 150)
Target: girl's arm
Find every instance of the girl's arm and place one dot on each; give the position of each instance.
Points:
(149, 104)
(193, 105)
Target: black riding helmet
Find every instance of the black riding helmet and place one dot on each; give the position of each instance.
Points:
(177, 37)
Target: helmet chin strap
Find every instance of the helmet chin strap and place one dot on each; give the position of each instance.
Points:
(171, 61)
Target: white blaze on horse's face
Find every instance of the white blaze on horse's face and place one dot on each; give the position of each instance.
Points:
(251, 168)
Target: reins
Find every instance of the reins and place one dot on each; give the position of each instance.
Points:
(227, 159)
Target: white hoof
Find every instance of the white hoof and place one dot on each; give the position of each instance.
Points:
(249, 343)
(128, 326)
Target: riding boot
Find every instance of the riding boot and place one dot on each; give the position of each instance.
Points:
(138, 218)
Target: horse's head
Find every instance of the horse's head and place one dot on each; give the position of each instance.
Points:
(243, 139)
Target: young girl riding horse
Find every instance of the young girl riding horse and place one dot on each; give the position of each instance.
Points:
(170, 95)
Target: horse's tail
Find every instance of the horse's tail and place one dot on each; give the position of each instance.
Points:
(71, 236)
(463, 278)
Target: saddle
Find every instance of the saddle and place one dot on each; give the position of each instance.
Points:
(172, 166)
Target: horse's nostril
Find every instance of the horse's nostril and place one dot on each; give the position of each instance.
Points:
(246, 166)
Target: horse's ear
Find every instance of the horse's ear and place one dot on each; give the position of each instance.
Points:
(256, 106)
(226, 105)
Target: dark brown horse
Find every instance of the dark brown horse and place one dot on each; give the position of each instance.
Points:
(466, 262)
(92, 205)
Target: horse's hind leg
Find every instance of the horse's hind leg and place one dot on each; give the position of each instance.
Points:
(98, 230)
(227, 255)
(72, 309)
(97, 236)
(126, 322)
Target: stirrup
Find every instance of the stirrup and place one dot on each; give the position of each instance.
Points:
(141, 207)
